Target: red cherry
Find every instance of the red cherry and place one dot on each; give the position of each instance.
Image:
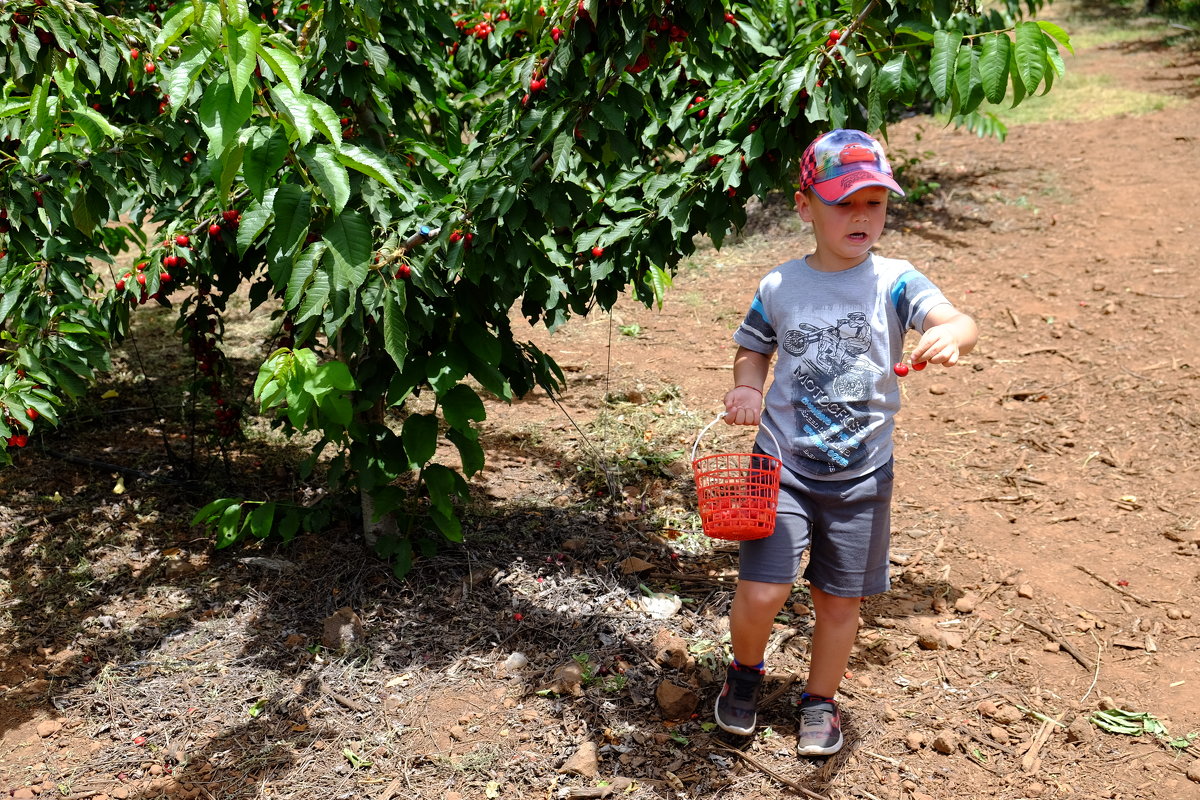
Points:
(120, 285)
(455, 237)
(20, 440)
(164, 277)
(141, 266)
(37, 197)
(834, 35)
(597, 251)
(134, 53)
(518, 616)
(232, 215)
(171, 261)
(214, 230)
(351, 46)
(187, 158)
(730, 18)
(32, 413)
(919, 365)
(150, 67)
(404, 272)
(555, 33)
(141, 279)
(139, 740)
(182, 240)
(901, 369)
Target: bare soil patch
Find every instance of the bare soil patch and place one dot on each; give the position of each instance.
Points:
(1046, 550)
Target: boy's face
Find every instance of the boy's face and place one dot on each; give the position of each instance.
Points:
(847, 230)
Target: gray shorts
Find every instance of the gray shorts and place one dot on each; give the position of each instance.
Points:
(847, 524)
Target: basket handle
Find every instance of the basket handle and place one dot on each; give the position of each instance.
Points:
(720, 417)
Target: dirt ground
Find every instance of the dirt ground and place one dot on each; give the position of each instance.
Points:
(1046, 554)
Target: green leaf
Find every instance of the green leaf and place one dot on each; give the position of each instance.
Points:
(890, 78)
(212, 511)
(294, 105)
(241, 55)
(222, 114)
(227, 526)
(1031, 55)
(420, 434)
(261, 519)
(178, 19)
(265, 152)
(366, 162)
(350, 248)
(326, 120)
(284, 65)
(461, 405)
(254, 222)
(1058, 34)
(968, 90)
(942, 62)
(330, 175)
(181, 74)
(993, 66)
(659, 280)
(292, 216)
(395, 326)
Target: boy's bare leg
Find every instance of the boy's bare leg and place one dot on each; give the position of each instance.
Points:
(755, 605)
(834, 632)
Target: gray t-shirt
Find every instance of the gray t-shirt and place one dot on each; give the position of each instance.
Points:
(837, 335)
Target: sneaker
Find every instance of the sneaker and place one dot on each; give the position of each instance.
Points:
(737, 707)
(820, 726)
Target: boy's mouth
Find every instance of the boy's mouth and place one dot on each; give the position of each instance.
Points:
(857, 237)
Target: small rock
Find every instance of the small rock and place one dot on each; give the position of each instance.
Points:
(48, 728)
(561, 501)
(1052, 647)
(938, 388)
(458, 732)
(1193, 771)
(914, 740)
(1025, 590)
(515, 661)
(922, 796)
(24, 793)
(966, 604)
(1080, 731)
(670, 650)
(568, 679)
(800, 610)
(945, 743)
(342, 629)
(120, 793)
(1035, 790)
(675, 702)
(574, 545)
(156, 769)
(986, 708)
(890, 714)
(1174, 613)
(452, 795)
(1007, 715)
(584, 762)
(999, 735)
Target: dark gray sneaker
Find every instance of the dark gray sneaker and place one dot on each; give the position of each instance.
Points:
(737, 707)
(820, 727)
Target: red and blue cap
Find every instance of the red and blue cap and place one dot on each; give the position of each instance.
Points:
(839, 163)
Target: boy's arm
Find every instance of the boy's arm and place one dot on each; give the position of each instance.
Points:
(949, 334)
(743, 403)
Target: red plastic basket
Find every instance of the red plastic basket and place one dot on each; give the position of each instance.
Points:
(737, 493)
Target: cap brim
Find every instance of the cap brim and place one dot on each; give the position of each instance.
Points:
(835, 190)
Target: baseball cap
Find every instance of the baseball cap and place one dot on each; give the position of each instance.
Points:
(841, 162)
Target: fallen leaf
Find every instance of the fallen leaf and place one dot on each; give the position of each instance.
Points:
(120, 487)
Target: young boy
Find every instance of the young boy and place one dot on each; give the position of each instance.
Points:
(837, 319)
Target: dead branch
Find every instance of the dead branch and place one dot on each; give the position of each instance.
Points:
(1060, 641)
(1115, 587)
(770, 773)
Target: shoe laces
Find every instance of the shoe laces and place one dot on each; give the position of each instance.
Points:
(743, 686)
(817, 713)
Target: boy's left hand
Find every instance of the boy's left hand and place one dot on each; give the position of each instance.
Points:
(951, 334)
(938, 345)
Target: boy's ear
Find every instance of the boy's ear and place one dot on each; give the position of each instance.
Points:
(804, 206)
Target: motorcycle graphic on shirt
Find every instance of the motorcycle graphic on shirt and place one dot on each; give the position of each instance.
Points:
(833, 377)
(837, 356)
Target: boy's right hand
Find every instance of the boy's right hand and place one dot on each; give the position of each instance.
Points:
(743, 406)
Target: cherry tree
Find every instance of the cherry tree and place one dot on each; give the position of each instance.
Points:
(387, 182)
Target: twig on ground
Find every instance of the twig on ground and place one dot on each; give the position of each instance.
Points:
(1030, 761)
(783, 687)
(770, 773)
(1060, 641)
(1096, 676)
(1115, 587)
(353, 705)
